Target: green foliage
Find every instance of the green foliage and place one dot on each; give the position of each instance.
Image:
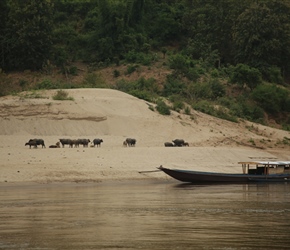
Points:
(187, 110)
(261, 35)
(73, 70)
(217, 111)
(200, 41)
(211, 90)
(116, 73)
(162, 108)
(23, 83)
(62, 95)
(177, 102)
(241, 107)
(28, 34)
(243, 74)
(272, 98)
(141, 94)
(93, 80)
(173, 85)
(47, 84)
(146, 89)
(273, 74)
(179, 63)
(131, 69)
(138, 57)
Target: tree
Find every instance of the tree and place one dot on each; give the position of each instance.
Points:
(243, 74)
(262, 34)
(208, 27)
(28, 34)
(3, 23)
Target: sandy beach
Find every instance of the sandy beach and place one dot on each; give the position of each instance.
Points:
(214, 144)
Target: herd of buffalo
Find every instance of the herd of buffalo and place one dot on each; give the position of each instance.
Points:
(130, 142)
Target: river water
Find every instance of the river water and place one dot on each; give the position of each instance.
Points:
(145, 215)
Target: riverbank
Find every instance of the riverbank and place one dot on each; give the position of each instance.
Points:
(214, 144)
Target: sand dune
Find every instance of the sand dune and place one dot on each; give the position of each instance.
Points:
(215, 144)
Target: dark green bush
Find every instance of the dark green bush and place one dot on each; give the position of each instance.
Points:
(272, 98)
(116, 73)
(173, 85)
(244, 74)
(273, 75)
(73, 70)
(177, 102)
(131, 69)
(47, 84)
(139, 57)
(179, 63)
(93, 80)
(162, 108)
(217, 89)
(192, 74)
(141, 94)
(23, 83)
(62, 95)
(210, 109)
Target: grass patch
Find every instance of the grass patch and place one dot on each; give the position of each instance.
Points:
(62, 96)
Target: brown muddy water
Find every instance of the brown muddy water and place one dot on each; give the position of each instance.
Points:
(145, 215)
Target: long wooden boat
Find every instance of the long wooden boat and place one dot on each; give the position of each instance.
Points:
(254, 171)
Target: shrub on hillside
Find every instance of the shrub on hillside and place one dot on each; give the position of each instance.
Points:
(162, 108)
(47, 84)
(217, 111)
(244, 74)
(272, 98)
(273, 75)
(93, 80)
(62, 95)
(173, 85)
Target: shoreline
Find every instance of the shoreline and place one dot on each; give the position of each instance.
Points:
(215, 145)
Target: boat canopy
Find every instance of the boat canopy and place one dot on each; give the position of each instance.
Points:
(273, 163)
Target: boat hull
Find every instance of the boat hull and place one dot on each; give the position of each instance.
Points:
(209, 177)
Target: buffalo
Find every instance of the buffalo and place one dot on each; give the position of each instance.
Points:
(57, 145)
(180, 143)
(131, 142)
(74, 142)
(97, 142)
(84, 142)
(168, 144)
(65, 142)
(31, 143)
(35, 142)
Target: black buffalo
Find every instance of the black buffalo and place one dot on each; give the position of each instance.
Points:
(31, 143)
(65, 142)
(84, 142)
(131, 142)
(178, 142)
(98, 142)
(168, 144)
(35, 142)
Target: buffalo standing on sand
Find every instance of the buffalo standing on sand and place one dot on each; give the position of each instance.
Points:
(131, 142)
(35, 142)
(97, 142)
(65, 142)
(168, 144)
(84, 142)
